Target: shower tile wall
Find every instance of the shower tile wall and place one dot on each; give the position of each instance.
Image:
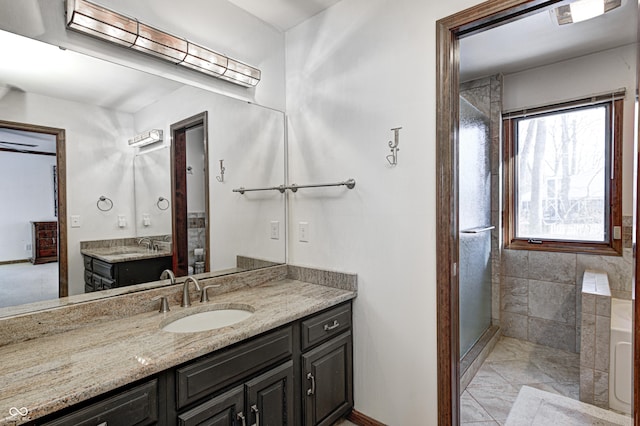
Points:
(541, 297)
(486, 95)
(196, 233)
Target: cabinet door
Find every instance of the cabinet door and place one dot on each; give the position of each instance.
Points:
(223, 410)
(270, 397)
(327, 381)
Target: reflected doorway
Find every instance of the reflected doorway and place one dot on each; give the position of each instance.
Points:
(190, 192)
(33, 249)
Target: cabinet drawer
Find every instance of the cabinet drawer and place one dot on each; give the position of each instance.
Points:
(96, 282)
(88, 278)
(107, 283)
(48, 252)
(323, 326)
(88, 263)
(205, 376)
(103, 268)
(137, 406)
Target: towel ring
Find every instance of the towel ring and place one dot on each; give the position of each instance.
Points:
(106, 201)
(160, 200)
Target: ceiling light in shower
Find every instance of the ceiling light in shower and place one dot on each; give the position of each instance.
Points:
(106, 24)
(146, 138)
(583, 10)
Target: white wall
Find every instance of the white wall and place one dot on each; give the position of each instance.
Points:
(99, 162)
(250, 139)
(27, 190)
(216, 24)
(354, 72)
(600, 72)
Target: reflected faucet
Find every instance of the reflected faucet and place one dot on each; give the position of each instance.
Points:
(186, 298)
(145, 241)
(168, 274)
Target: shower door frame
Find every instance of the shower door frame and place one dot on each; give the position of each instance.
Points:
(486, 15)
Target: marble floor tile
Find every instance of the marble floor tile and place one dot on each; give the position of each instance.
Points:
(521, 372)
(496, 400)
(471, 410)
(487, 376)
(514, 365)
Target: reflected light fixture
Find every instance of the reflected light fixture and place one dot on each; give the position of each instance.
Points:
(582, 10)
(98, 21)
(146, 138)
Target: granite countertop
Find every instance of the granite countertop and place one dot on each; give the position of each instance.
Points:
(118, 254)
(50, 373)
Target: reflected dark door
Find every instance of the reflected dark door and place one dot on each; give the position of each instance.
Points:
(180, 231)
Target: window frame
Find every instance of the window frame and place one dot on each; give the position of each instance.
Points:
(614, 246)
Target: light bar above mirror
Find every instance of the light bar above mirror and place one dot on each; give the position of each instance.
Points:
(98, 21)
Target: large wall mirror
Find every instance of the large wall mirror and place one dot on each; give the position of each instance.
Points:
(100, 106)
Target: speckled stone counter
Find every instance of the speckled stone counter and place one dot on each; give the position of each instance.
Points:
(56, 371)
(124, 254)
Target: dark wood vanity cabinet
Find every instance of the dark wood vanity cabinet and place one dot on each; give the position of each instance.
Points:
(298, 374)
(44, 242)
(136, 406)
(327, 366)
(101, 275)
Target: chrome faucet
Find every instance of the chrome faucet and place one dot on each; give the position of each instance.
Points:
(145, 241)
(168, 274)
(186, 298)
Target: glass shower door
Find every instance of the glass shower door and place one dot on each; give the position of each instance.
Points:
(475, 225)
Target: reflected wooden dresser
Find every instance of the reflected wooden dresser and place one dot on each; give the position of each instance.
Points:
(45, 242)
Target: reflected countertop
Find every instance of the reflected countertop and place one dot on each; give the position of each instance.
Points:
(53, 372)
(124, 253)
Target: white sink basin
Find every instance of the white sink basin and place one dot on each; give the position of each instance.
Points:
(208, 320)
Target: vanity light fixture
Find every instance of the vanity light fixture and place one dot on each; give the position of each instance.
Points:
(582, 10)
(98, 21)
(146, 138)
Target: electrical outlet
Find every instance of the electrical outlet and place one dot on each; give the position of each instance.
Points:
(275, 230)
(303, 232)
(75, 221)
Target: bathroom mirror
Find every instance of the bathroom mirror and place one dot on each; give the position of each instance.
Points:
(101, 106)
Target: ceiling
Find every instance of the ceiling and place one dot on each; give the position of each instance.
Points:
(284, 14)
(537, 40)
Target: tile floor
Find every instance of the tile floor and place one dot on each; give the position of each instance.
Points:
(512, 364)
(25, 283)
(344, 422)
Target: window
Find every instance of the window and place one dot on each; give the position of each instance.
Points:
(563, 177)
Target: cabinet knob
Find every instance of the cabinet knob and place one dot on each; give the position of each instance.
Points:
(311, 391)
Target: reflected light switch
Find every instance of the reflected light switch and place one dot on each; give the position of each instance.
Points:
(275, 230)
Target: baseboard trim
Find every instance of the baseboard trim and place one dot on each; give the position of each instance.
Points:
(11, 262)
(361, 420)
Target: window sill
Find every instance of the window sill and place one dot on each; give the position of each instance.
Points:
(568, 247)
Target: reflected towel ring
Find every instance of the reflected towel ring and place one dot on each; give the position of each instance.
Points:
(160, 200)
(106, 201)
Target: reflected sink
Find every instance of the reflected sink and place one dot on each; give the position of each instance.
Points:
(209, 320)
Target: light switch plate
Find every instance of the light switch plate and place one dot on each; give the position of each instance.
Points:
(122, 221)
(303, 232)
(75, 221)
(275, 230)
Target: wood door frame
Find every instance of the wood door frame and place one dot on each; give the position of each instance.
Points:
(448, 31)
(61, 170)
(200, 119)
